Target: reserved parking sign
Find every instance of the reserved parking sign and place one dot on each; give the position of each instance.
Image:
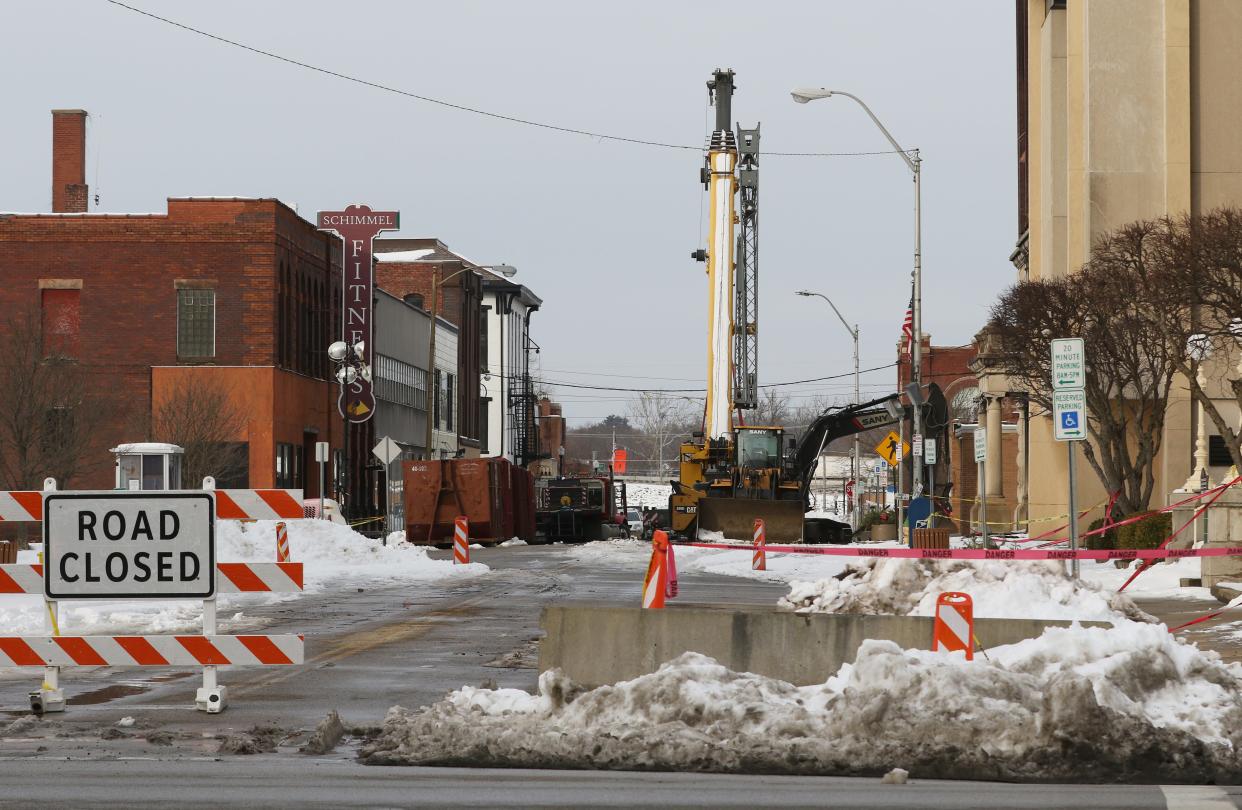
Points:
(140, 545)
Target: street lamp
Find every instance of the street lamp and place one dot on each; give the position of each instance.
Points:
(506, 270)
(857, 466)
(804, 95)
(349, 367)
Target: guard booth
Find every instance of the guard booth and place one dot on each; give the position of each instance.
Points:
(148, 466)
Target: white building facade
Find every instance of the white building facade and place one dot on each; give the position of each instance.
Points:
(444, 392)
(507, 390)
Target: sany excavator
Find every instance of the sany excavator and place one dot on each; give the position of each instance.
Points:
(732, 473)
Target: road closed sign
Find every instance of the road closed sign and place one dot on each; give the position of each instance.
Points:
(140, 545)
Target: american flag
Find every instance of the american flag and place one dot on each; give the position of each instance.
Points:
(907, 325)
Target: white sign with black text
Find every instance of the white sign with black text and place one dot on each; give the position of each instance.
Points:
(142, 545)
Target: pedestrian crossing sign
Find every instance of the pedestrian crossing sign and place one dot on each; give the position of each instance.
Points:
(892, 449)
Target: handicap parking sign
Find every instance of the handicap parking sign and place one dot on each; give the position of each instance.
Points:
(1069, 409)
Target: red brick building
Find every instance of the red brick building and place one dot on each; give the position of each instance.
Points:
(955, 472)
(242, 294)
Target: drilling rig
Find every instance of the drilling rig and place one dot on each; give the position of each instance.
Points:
(732, 473)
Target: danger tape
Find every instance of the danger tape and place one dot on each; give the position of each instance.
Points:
(990, 553)
(231, 578)
(150, 651)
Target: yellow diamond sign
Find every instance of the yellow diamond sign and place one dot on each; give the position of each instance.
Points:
(887, 449)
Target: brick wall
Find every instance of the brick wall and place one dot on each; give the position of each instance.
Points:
(129, 269)
(69, 161)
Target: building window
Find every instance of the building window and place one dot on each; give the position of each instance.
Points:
(485, 405)
(61, 321)
(437, 400)
(196, 323)
(401, 383)
(288, 465)
(1218, 452)
(448, 401)
(483, 321)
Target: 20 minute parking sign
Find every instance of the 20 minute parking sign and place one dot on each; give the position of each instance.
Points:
(129, 545)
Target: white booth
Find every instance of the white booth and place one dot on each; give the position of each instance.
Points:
(148, 465)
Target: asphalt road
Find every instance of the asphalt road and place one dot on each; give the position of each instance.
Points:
(371, 648)
(272, 782)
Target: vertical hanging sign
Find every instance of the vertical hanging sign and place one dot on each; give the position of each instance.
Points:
(357, 225)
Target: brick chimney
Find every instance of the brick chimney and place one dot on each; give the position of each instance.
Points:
(69, 161)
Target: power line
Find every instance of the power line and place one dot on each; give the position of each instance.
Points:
(460, 107)
(702, 390)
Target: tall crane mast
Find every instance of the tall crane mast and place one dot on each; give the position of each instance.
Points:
(732, 258)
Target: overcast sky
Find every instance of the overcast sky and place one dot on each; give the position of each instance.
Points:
(602, 231)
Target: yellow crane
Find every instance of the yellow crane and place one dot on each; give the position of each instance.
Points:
(731, 473)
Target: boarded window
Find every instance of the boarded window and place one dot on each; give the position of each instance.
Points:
(196, 323)
(61, 320)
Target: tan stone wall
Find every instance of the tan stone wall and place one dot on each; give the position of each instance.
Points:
(1134, 112)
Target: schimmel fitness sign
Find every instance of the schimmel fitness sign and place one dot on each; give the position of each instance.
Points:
(357, 225)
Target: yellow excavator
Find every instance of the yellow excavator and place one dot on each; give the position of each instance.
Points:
(731, 473)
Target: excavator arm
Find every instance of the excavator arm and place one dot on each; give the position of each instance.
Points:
(836, 424)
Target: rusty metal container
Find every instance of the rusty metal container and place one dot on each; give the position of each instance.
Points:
(495, 496)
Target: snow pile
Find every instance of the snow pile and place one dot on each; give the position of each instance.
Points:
(1126, 704)
(335, 555)
(654, 495)
(1019, 589)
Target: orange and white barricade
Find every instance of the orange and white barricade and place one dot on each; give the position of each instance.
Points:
(954, 629)
(656, 583)
(759, 561)
(282, 542)
(461, 541)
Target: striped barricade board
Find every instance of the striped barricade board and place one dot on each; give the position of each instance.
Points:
(150, 651)
(230, 578)
(231, 504)
(21, 505)
(258, 504)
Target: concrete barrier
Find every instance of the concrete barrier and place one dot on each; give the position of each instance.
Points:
(601, 645)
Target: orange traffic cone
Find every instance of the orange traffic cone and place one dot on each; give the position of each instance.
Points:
(759, 561)
(655, 586)
(461, 541)
(955, 624)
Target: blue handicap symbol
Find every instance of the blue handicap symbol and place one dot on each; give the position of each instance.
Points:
(1069, 420)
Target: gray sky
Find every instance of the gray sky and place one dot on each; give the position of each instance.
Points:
(602, 231)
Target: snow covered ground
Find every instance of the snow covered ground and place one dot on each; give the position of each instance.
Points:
(653, 495)
(1121, 704)
(333, 557)
(998, 589)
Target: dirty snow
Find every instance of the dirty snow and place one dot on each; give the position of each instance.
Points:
(1019, 589)
(334, 557)
(1121, 704)
(641, 495)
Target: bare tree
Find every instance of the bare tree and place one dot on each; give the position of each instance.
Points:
(200, 416)
(1130, 365)
(666, 422)
(50, 414)
(1202, 308)
(773, 409)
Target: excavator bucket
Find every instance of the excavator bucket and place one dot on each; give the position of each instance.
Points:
(735, 518)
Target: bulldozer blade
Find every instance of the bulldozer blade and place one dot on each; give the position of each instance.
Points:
(735, 518)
